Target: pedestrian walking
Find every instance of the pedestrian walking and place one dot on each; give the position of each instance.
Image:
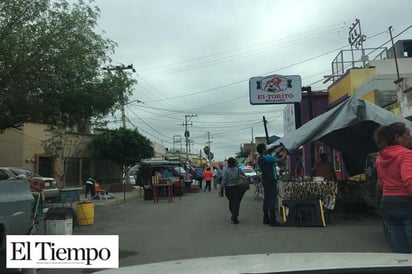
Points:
(199, 177)
(220, 171)
(208, 175)
(267, 165)
(394, 171)
(215, 178)
(230, 187)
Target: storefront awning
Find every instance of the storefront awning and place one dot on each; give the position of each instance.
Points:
(348, 127)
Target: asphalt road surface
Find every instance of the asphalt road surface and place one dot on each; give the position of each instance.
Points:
(198, 225)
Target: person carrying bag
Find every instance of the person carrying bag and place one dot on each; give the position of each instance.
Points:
(232, 189)
(243, 182)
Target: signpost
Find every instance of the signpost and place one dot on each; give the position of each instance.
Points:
(275, 89)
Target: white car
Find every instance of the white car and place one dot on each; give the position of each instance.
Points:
(132, 175)
(249, 172)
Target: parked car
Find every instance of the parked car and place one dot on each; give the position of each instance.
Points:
(149, 167)
(181, 172)
(129, 178)
(16, 206)
(250, 173)
(132, 173)
(46, 185)
(7, 174)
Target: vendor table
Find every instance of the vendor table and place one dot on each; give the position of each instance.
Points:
(311, 190)
(169, 188)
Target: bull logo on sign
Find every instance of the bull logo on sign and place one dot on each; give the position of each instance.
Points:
(274, 83)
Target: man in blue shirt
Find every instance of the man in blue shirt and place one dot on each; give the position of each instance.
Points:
(267, 165)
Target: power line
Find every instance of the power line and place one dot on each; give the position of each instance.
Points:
(301, 38)
(246, 80)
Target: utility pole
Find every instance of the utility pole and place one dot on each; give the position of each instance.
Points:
(208, 154)
(187, 134)
(122, 104)
(394, 54)
(122, 101)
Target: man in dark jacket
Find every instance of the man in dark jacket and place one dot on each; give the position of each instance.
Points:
(267, 165)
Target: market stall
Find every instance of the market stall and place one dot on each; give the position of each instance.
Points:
(162, 184)
(312, 190)
(305, 203)
(348, 129)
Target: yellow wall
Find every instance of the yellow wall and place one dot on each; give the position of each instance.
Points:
(370, 96)
(19, 146)
(11, 147)
(339, 89)
(347, 84)
(359, 76)
(34, 134)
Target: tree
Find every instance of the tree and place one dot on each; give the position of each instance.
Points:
(51, 63)
(62, 145)
(122, 146)
(242, 153)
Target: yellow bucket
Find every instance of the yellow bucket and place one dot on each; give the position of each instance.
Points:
(85, 213)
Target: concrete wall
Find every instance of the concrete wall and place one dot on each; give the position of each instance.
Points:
(11, 147)
(388, 67)
(21, 147)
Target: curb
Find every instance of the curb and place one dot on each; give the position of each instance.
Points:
(117, 201)
(97, 203)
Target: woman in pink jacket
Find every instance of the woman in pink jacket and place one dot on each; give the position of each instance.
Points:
(394, 169)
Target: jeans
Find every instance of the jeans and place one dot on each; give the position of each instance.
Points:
(234, 194)
(269, 202)
(90, 188)
(398, 221)
(207, 187)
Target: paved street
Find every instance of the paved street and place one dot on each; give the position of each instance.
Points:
(198, 225)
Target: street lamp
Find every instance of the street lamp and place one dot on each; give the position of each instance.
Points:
(134, 101)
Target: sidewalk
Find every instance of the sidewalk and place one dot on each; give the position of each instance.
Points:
(119, 197)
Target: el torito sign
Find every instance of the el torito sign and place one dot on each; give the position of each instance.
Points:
(275, 89)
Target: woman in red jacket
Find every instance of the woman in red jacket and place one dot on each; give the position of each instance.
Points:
(394, 169)
(208, 175)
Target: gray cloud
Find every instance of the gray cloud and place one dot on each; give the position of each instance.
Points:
(211, 48)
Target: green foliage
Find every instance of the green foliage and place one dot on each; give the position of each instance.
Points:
(122, 146)
(51, 63)
(242, 154)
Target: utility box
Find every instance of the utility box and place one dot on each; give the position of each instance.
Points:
(59, 221)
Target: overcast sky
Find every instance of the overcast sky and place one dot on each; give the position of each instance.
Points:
(196, 57)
